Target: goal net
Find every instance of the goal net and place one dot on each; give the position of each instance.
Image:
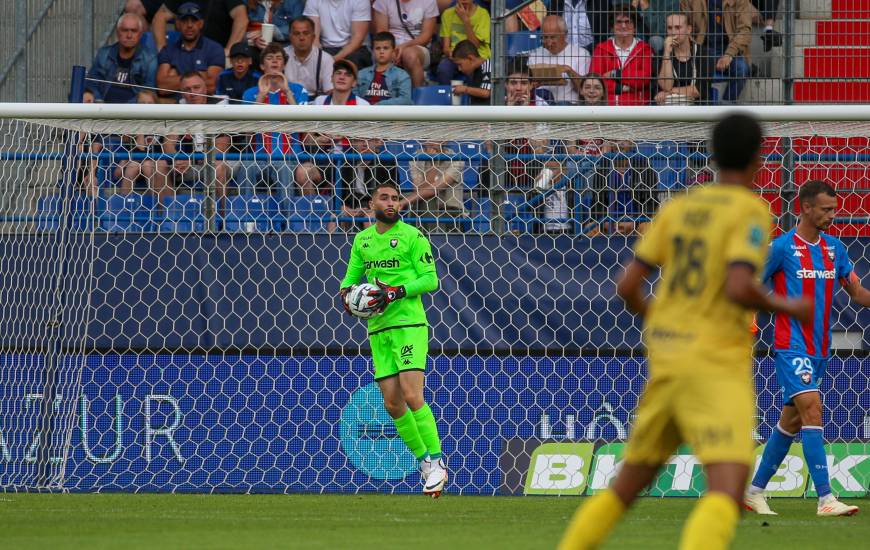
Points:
(168, 311)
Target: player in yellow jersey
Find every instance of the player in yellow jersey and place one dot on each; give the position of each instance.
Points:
(711, 245)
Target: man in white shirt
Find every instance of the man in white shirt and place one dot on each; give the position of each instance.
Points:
(341, 28)
(557, 50)
(307, 64)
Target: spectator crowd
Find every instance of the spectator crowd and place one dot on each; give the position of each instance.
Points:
(394, 52)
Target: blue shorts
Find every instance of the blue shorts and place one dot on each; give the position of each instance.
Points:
(798, 373)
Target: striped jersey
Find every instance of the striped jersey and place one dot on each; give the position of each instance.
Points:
(797, 269)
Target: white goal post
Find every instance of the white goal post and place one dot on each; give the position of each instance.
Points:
(168, 282)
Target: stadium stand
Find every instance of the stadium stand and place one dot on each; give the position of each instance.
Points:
(831, 60)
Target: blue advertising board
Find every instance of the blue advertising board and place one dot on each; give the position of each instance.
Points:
(317, 424)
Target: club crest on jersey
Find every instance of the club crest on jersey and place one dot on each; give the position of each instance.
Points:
(806, 378)
(394, 243)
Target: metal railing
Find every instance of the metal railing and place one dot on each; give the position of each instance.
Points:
(41, 39)
(814, 47)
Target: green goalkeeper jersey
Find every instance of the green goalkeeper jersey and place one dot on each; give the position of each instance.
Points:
(401, 256)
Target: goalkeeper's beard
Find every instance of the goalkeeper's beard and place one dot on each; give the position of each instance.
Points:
(383, 217)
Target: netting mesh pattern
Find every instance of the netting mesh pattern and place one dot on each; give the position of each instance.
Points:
(168, 311)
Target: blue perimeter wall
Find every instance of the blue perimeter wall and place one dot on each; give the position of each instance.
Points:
(243, 292)
(277, 422)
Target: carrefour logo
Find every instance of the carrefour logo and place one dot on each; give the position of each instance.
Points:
(816, 274)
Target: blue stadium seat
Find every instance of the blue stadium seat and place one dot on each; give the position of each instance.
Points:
(471, 174)
(132, 212)
(308, 213)
(49, 214)
(668, 159)
(480, 211)
(398, 147)
(517, 212)
(432, 95)
(184, 213)
(521, 42)
(252, 212)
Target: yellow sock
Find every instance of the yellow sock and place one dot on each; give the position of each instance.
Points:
(592, 522)
(711, 524)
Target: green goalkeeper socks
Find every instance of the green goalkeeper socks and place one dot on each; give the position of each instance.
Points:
(406, 426)
(428, 430)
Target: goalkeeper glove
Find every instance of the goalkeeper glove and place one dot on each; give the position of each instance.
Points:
(343, 297)
(385, 295)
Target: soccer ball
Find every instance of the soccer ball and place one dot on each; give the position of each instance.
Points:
(357, 301)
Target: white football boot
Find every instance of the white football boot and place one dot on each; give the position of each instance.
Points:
(757, 502)
(425, 468)
(833, 507)
(437, 478)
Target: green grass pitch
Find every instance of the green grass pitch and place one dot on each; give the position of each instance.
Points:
(164, 522)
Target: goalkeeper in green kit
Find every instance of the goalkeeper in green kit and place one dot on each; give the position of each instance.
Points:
(398, 259)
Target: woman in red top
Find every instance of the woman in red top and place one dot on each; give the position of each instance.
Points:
(625, 62)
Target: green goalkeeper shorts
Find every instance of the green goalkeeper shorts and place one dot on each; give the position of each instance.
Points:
(399, 349)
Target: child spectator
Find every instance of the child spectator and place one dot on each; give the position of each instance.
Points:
(274, 60)
(233, 82)
(466, 21)
(476, 69)
(414, 24)
(519, 89)
(384, 83)
(592, 90)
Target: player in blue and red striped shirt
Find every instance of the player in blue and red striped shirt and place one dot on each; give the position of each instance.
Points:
(806, 262)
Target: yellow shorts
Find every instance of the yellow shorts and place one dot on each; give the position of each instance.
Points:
(715, 415)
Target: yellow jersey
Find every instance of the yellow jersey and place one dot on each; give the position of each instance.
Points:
(691, 326)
